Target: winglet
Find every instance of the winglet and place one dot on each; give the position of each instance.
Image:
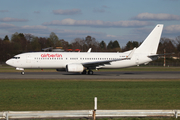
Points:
(131, 53)
(89, 50)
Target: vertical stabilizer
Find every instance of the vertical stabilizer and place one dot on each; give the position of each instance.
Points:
(150, 44)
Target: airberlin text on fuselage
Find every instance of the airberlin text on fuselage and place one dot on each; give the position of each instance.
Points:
(51, 55)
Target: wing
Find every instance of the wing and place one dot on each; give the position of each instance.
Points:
(93, 65)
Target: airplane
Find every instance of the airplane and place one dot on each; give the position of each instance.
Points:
(85, 62)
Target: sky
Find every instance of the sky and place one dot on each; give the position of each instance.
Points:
(121, 20)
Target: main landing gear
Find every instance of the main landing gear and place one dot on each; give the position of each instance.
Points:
(90, 72)
(84, 72)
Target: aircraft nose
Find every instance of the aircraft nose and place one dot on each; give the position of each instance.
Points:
(9, 62)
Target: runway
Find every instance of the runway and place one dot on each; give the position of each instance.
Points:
(97, 75)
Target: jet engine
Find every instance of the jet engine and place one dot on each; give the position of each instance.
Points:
(74, 67)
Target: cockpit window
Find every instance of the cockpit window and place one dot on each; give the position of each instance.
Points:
(16, 57)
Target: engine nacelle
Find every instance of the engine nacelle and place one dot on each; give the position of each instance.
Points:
(74, 67)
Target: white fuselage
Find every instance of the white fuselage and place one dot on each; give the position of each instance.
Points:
(61, 59)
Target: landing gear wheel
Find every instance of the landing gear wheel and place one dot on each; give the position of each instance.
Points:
(90, 72)
(22, 73)
(84, 72)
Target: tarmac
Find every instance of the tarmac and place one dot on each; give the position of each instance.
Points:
(144, 75)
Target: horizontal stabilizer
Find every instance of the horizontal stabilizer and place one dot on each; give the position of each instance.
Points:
(161, 54)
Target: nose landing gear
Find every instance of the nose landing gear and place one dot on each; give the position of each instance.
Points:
(22, 73)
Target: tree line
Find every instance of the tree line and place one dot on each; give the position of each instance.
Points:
(20, 43)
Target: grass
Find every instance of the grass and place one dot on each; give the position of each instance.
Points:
(79, 94)
(24, 95)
